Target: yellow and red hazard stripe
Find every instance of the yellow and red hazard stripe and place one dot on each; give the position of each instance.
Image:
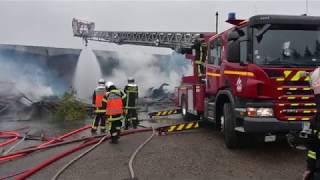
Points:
(291, 75)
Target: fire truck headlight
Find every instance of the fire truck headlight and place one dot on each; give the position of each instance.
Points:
(259, 112)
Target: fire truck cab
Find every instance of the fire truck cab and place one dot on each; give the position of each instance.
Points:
(254, 81)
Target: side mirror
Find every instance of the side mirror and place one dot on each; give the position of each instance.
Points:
(233, 36)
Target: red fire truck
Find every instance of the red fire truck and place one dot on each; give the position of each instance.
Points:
(252, 81)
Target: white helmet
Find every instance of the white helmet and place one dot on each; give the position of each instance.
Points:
(109, 84)
(130, 80)
(101, 81)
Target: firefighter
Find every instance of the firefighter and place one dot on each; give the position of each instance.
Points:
(97, 97)
(313, 154)
(113, 104)
(200, 52)
(131, 90)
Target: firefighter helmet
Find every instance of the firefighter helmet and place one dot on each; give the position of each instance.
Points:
(109, 84)
(101, 81)
(130, 80)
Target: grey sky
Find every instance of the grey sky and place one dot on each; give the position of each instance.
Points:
(49, 23)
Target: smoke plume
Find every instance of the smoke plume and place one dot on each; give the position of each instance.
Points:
(25, 75)
(149, 70)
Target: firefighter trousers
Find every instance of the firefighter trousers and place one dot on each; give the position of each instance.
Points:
(131, 118)
(115, 128)
(100, 118)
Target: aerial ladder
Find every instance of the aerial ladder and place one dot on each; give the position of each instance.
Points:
(181, 42)
(178, 41)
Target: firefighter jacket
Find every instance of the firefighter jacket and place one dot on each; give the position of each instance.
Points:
(313, 154)
(97, 97)
(200, 52)
(131, 91)
(113, 104)
(315, 81)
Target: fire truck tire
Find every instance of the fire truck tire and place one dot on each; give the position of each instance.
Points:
(184, 106)
(231, 138)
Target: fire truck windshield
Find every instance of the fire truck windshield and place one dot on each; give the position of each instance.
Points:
(293, 46)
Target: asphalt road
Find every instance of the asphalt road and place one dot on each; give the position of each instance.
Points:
(196, 154)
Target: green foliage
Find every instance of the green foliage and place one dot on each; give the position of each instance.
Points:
(70, 109)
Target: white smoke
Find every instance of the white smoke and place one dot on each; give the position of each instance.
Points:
(23, 78)
(147, 70)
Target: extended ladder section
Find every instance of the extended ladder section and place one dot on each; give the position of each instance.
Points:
(178, 41)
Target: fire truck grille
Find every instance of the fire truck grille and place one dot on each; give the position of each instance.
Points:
(296, 102)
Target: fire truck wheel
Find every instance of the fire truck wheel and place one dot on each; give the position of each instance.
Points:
(231, 137)
(184, 107)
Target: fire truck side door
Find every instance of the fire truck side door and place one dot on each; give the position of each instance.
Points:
(236, 58)
(213, 66)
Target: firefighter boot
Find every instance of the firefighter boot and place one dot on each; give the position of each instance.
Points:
(102, 131)
(114, 140)
(126, 124)
(118, 134)
(134, 123)
(93, 131)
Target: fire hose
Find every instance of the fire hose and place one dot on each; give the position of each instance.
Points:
(88, 141)
(14, 146)
(47, 162)
(32, 149)
(78, 157)
(41, 146)
(65, 136)
(47, 147)
(12, 134)
(137, 151)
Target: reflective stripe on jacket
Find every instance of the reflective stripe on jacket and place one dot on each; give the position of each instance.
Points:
(114, 102)
(98, 94)
(132, 95)
(97, 97)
